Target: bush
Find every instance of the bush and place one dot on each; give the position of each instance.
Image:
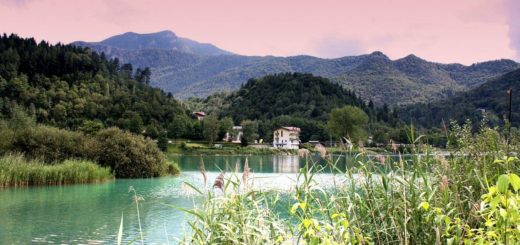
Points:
(53, 144)
(173, 169)
(130, 156)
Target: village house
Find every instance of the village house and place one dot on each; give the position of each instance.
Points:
(286, 137)
(199, 115)
(235, 136)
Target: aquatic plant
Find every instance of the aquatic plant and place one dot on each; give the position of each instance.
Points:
(16, 170)
(420, 199)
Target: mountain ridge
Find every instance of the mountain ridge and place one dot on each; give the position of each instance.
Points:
(163, 40)
(374, 76)
(489, 99)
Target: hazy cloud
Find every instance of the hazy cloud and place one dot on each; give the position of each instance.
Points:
(513, 9)
(335, 47)
(18, 3)
(120, 13)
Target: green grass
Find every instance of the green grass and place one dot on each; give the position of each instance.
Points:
(471, 197)
(16, 170)
(227, 149)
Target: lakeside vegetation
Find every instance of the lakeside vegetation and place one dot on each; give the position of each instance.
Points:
(468, 198)
(17, 170)
(126, 155)
(202, 148)
(60, 102)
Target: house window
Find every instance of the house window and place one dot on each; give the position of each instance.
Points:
(281, 133)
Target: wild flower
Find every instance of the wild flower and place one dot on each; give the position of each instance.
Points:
(245, 175)
(395, 147)
(381, 159)
(219, 182)
(202, 171)
(303, 152)
(445, 183)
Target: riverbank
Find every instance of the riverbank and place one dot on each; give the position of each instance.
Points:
(16, 170)
(193, 149)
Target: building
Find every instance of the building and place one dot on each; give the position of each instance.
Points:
(199, 115)
(235, 135)
(286, 137)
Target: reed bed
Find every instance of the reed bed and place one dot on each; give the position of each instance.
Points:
(16, 170)
(470, 197)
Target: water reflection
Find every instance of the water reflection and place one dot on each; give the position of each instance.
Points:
(286, 164)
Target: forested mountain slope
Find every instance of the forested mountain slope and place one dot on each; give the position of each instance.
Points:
(72, 87)
(489, 99)
(185, 72)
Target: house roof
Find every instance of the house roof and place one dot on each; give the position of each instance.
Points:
(199, 113)
(294, 129)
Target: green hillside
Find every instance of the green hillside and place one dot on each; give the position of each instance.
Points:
(72, 87)
(489, 99)
(294, 99)
(374, 76)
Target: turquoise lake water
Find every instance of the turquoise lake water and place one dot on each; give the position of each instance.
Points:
(90, 214)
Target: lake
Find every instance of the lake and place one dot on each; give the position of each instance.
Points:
(90, 214)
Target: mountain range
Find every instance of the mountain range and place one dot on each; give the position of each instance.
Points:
(489, 100)
(187, 68)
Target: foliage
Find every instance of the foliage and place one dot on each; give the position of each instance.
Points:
(16, 170)
(489, 101)
(298, 95)
(130, 156)
(232, 149)
(72, 87)
(226, 126)
(421, 199)
(246, 218)
(211, 126)
(249, 131)
(395, 82)
(54, 145)
(300, 100)
(348, 121)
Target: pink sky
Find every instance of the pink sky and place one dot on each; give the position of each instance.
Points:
(463, 31)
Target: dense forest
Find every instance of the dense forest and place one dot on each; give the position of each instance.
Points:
(490, 101)
(72, 87)
(294, 99)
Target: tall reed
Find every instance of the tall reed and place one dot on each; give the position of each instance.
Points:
(468, 197)
(16, 170)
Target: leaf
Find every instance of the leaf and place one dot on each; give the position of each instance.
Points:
(294, 208)
(503, 213)
(498, 161)
(307, 223)
(424, 205)
(515, 181)
(511, 159)
(503, 183)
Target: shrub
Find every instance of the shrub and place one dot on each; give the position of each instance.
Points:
(130, 156)
(173, 169)
(53, 144)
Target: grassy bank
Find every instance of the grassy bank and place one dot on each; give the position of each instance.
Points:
(470, 198)
(227, 149)
(15, 170)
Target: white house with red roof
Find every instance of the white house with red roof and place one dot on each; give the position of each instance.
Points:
(199, 115)
(286, 137)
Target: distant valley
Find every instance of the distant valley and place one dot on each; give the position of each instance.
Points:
(187, 68)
